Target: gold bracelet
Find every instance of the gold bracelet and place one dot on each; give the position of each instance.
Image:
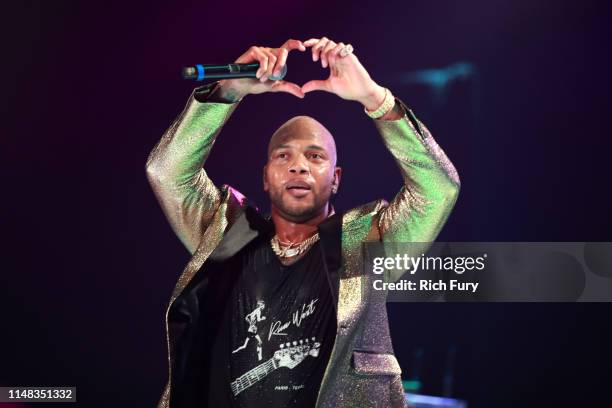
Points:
(386, 106)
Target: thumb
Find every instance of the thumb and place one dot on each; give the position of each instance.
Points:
(289, 87)
(315, 85)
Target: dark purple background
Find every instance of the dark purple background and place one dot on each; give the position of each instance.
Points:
(90, 88)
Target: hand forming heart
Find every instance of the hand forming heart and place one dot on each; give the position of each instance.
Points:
(348, 78)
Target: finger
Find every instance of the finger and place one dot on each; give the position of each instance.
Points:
(289, 87)
(332, 55)
(311, 42)
(316, 50)
(282, 60)
(315, 85)
(271, 63)
(324, 61)
(283, 53)
(292, 44)
(260, 57)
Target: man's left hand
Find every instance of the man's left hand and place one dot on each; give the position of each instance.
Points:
(347, 78)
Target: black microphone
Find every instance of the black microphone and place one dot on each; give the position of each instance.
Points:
(227, 71)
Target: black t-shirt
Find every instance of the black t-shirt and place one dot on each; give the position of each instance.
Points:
(281, 329)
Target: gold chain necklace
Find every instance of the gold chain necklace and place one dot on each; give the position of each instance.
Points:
(291, 249)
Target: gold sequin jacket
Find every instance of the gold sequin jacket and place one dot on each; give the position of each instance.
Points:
(214, 223)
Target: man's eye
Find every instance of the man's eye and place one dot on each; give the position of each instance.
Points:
(282, 155)
(316, 156)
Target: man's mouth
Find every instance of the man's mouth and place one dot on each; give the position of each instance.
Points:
(298, 188)
(297, 185)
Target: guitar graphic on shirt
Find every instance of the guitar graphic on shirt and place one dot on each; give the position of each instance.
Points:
(289, 355)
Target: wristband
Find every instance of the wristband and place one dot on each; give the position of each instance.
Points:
(386, 106)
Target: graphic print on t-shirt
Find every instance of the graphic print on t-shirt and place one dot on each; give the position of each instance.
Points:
(253, 318)
(278, 327)
(282, 330)
(288, 355)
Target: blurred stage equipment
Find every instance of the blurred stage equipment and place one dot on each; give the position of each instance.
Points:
(413, 385)
(448, 372)
(428, 401)
(439, 79)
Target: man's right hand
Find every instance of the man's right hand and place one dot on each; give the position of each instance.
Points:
(271, 62)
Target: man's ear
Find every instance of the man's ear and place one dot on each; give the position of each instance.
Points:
(265, 178)
(337, 177)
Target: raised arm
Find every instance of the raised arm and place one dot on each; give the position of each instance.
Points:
(174, 168)
(431, 184)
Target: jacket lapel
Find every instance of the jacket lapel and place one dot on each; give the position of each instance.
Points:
(330, 234)
(246, 228)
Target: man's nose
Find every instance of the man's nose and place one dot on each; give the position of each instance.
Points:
(299, 166)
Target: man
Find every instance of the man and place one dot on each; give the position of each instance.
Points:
(270, 311)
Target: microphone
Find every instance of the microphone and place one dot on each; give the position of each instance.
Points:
(227, 71)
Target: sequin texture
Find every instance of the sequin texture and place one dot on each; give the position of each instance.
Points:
(362, 369)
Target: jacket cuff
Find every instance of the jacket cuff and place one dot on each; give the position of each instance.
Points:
(408, 115)
(203, 93)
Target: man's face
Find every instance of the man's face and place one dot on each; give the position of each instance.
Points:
(301, 169)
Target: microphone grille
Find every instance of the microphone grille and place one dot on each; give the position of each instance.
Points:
(281, 75)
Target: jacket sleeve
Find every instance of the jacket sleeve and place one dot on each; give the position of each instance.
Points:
(431, 184)
(187, 196)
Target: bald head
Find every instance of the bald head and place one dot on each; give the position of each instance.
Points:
(301, 173)
(303, 127)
